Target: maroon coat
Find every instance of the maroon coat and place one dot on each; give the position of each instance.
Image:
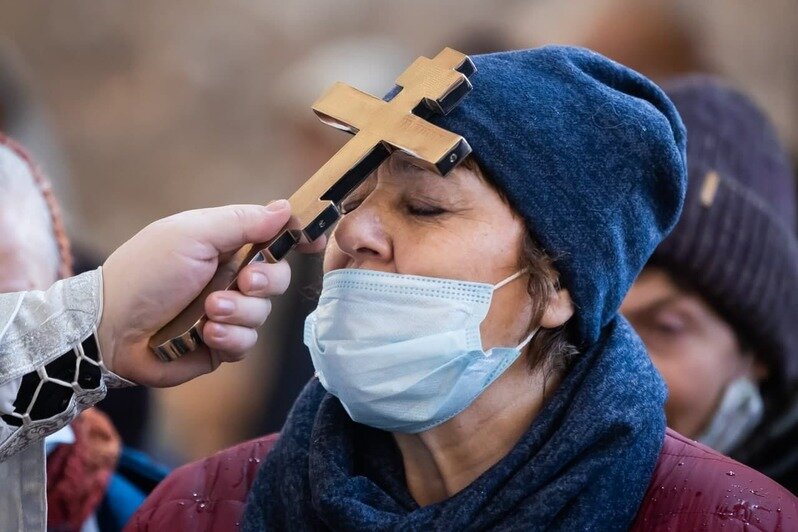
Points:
(692, 488)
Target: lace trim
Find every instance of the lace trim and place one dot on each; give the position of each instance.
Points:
(50, 397)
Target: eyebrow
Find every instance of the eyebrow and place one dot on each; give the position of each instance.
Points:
(405, 164)
(417, 178)
(367, 185)
(683, 303)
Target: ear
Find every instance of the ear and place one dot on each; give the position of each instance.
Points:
(559, 310)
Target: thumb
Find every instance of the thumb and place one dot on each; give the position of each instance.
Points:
(230, 227)
(187, 367)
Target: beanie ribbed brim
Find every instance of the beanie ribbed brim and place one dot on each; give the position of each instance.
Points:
(745, 262)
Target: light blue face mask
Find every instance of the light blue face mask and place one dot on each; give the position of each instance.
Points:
(403, 353)
(740, 411)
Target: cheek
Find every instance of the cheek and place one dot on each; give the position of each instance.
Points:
(450, 258)
(334, 258)
(439, 252)
(484, 247)
(509, 317)
(695, 379)
(689, 370)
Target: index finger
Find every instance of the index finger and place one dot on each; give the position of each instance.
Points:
(223, 229)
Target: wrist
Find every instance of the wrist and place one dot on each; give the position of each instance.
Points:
(106, 338)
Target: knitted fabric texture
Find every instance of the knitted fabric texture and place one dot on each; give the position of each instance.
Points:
(583, 464)
(735, 242)
(590, 153)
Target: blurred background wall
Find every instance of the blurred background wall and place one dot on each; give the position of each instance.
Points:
(141, 109)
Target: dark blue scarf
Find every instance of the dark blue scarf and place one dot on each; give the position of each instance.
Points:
(584, 464)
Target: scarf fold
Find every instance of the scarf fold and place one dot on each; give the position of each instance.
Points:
(584, 463)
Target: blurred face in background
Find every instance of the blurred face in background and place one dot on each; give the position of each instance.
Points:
(695, 350)
(28, 252)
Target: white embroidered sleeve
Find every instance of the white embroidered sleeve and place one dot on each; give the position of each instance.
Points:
(50, 362)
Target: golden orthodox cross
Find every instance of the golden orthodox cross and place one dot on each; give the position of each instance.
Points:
(379, 127)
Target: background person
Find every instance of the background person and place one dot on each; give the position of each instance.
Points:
(717, 306)
(60, 348)
(25, 118)
(34, 254)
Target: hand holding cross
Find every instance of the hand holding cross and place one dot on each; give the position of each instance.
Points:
(428, 86)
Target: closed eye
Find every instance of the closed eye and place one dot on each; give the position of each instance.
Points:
(425, 210)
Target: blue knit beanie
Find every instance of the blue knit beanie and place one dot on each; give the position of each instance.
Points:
(590, 153)
(735, 242)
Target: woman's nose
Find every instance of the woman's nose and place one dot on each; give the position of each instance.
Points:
(361, 236)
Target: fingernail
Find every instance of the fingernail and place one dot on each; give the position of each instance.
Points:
(258, 281)
(216, 331)
(224, 306)
(277, 206)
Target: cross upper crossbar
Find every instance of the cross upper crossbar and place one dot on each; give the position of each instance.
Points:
(426, 86)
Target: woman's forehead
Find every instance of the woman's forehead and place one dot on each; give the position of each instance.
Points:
(407, 170)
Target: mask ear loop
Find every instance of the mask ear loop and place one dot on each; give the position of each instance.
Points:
(510, 279)
(528, 338)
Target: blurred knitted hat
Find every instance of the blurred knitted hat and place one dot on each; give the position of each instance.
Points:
(735, 242)
(590, 153)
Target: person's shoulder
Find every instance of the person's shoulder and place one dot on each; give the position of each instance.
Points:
(208, 494)
(696, 487)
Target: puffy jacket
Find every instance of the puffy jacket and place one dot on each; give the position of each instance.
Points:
(693, 487)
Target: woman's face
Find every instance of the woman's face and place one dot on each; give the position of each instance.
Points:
(409, 220)
(694, 349)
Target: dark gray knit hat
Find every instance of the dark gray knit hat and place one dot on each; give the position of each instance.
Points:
(735, 242)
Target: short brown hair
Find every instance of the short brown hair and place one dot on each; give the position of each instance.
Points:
(550, 349)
